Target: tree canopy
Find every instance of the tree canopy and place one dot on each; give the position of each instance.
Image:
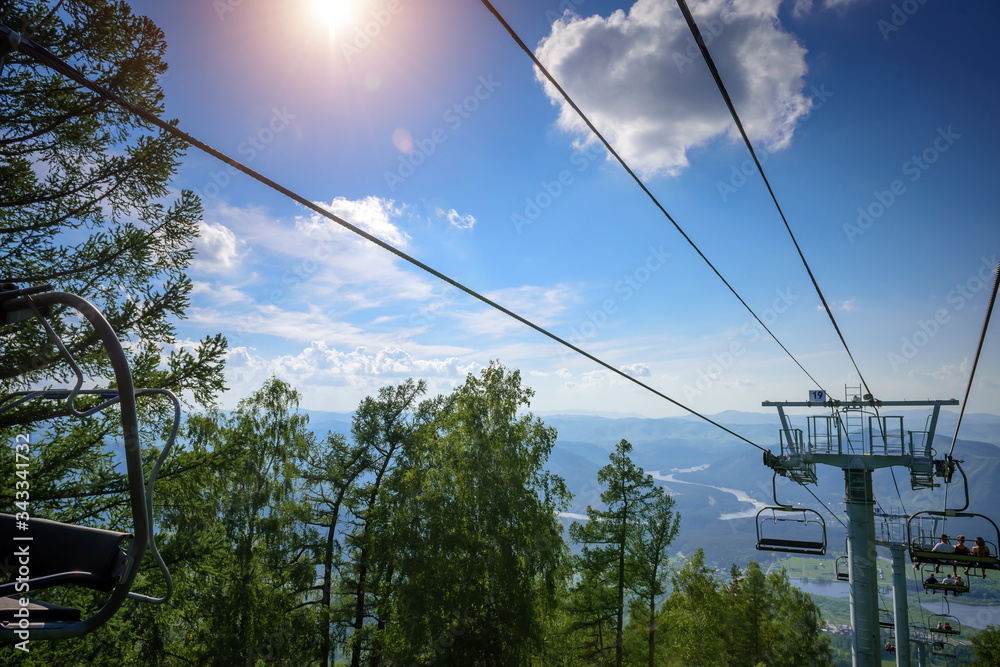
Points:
(86, 204)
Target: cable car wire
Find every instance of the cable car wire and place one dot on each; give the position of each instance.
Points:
(597, 133)
(44, 56)
(739, 124)
(806, 487)
(635, 177)
(972, 373)
(693, 26)
(975, 362)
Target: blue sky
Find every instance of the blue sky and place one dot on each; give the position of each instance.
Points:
(424, 123)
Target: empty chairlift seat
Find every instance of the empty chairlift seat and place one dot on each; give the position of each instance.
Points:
(791, 530)
(38, 554)
(54, 554)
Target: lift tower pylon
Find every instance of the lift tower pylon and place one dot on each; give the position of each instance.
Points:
(831, 441)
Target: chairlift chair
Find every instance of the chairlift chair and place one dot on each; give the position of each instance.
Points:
(921, 543)
(955, 588)
(885, 619)
(842, 569)
(60, 554)
(944, 649)
(802, 515)
(934, 620)
(781, 513)
(890, 641)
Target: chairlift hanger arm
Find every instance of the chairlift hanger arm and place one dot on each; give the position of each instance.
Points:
(860, 404)
(63, 623)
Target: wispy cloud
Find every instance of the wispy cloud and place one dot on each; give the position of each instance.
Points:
(457, 220)
(539, 304)
(637, 370)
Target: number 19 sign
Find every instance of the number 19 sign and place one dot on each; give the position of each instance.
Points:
(817, 396)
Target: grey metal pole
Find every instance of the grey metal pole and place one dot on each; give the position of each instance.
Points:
(900, 609)
(866, 649)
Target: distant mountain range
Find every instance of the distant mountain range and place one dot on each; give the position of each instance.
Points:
(673, 444)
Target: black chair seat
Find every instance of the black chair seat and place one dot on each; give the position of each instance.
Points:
(60, 553)
(794, 546)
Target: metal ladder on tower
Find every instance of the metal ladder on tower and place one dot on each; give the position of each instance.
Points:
(854, 421)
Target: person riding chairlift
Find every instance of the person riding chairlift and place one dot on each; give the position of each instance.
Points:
(960, 550)
(981, 551)
(943, 547)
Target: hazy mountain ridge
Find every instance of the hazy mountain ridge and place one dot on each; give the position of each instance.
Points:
(667, 444)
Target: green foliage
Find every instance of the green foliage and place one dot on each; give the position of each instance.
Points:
(754, 618)
(243, 565)
(479, 541)
(987, 646)
(430, 537)
(84, 204)
(383, 429)
(624, 549)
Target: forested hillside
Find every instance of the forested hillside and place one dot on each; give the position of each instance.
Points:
(428, 534)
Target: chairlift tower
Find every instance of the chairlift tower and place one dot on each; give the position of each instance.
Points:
(893, 536)
(843, 438)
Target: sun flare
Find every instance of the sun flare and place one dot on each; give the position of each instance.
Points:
(337, 15)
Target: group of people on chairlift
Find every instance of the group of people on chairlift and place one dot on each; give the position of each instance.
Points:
(944, 546)
(945, 626)
(959, 548)
(954, 580)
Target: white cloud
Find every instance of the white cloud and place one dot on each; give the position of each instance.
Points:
(802, 8)
(320, 365)
(371, 214)
(271, 320)
(838, 4)
(637, 370)
(216, 248)
(540, 305)
(314, 260)
(458, 220)
(639, 77)
(220, 294)
(845, 306)
(321, 362)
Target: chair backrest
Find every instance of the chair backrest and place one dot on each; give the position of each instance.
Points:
(56, 553)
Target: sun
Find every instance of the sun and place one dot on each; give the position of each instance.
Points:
(337, 15)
